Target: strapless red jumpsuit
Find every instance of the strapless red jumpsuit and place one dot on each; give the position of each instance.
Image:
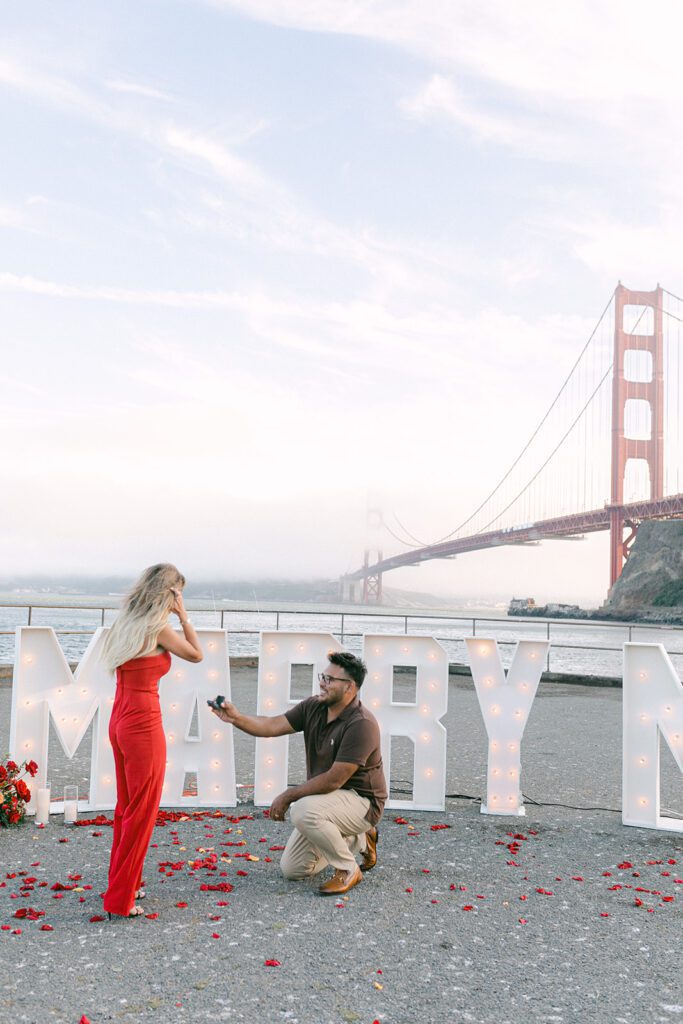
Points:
(137, 736)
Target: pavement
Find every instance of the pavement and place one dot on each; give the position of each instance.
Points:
(561, 916)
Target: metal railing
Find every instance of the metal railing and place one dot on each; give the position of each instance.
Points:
(551, 628)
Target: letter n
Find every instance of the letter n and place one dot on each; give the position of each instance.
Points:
(652, 706)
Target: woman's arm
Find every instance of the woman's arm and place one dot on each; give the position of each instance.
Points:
(185, 646)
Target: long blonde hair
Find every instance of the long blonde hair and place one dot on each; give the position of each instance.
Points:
(143, 615)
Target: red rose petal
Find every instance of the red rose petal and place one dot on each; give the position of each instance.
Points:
(46, 928)
(603, 914)
(272, 963)
(181, 904)
(522, 920)
(215, 935)
(151, 917)
(96, 917)
(468, 907)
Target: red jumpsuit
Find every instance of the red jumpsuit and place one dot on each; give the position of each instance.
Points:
(137, 736)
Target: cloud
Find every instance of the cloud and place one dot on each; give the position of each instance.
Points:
(137, 89)
(595, 78)
(582, 51)
(267, 212)
(440, 98)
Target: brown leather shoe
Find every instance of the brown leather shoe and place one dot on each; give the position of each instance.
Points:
(369, 854)
(341, 882)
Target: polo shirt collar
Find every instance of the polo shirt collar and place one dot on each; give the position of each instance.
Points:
(349, 709)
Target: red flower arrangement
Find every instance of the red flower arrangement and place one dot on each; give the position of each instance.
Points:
(14, 793)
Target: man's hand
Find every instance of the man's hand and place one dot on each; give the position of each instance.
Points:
(279, 807)
(227, 712)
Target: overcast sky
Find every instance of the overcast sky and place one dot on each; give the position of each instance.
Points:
(260, 258)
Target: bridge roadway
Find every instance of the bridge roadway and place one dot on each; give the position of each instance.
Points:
(545, 529)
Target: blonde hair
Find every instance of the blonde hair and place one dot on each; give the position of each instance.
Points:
(143, 615)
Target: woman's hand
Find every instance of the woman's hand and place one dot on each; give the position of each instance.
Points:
(178, 607)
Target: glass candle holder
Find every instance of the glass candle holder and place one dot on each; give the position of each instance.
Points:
(43, 806)
(70, 805)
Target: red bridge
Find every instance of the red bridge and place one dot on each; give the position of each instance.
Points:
(634, 398)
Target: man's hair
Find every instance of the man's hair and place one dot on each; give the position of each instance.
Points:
(353, 666)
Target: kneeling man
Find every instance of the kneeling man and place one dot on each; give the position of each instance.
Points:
(335, 812)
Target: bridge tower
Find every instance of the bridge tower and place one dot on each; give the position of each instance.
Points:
(372, 583)
(624, 389)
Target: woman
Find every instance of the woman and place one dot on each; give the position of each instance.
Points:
(139, 647)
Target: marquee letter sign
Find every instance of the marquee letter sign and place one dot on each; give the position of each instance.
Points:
(652, 705)
(505, 704)
(418, 719)
(279, 652)
(209, 751)
(45, 691)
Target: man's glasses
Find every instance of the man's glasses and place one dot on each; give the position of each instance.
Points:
(322, 678)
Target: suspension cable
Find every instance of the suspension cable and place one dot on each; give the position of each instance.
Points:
(561, 441)
(527, 445)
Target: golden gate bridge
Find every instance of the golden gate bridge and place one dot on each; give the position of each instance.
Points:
(607, 454)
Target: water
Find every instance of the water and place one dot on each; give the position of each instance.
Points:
(576, 647)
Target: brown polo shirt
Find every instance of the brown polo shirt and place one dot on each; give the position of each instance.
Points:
(353, 737)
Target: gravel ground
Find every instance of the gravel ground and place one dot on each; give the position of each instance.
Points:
(403, 946)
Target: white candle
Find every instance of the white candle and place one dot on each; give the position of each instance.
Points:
(70, 805)
(43, 806)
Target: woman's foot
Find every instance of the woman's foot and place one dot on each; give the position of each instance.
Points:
(135, 912)
(140, 894)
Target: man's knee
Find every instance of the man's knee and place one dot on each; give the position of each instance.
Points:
(292, 869)
(306, 812)
(289, 869)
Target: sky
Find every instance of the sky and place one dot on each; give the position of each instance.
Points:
(267, 263)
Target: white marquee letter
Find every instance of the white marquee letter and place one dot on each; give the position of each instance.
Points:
(419, 720)
(44, 688)
(278, 653)
(652, 704)
(210, 753)
(505, 705)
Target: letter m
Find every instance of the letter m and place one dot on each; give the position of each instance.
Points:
(44, 689)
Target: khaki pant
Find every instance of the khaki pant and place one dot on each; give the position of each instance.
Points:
(329, 828)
